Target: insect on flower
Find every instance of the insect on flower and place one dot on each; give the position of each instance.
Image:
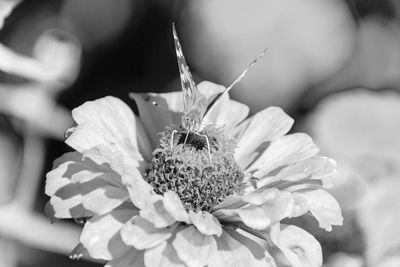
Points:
(197, 106)
(155, 199)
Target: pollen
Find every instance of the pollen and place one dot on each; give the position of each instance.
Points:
(182, 163)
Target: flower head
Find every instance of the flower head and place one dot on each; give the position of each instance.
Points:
(186, 168)
(153, 194)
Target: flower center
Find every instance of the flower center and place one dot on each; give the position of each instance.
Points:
(182, 163)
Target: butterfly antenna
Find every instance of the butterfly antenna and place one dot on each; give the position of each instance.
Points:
(241, 75)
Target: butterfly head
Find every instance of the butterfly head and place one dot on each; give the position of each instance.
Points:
(191, 121)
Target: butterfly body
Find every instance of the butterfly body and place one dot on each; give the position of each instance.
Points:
(193, 116)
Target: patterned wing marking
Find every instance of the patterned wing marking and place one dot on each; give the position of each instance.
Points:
(189, 89)
(214, 102)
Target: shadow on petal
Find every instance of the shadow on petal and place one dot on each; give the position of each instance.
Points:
(163, 255)
(132, 258)
(101, 234)
(84, 183)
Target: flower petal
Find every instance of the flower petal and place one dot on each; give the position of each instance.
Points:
(206, 223)
(79, 180)
(144, 142)
(254, 217)
(69, 208)
(231, 202)
(300, 248)
(226, 112)
(174, 207)
(55, 179)
(259, 198)
(66, 197)
(317, 167)
(154, 118)
(101, 237)
(300, 206)
(103, 158)
(140, 192)
(285, 150)
(104, 199)
(163, 255)
(263, 208)
(193, 247)
(132, 258)
(79, 252)
(155, 212)
(106, 121)
(323, 207)
(267, 125)
(50, 212)
(227, 215)
(141, 234)
(210, 89)
(230, 252)
(83, 168)
(279, 207)
(259, 252)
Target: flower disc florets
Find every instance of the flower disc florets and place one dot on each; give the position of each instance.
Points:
(201, 182)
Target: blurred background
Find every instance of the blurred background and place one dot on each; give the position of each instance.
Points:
(333, 65)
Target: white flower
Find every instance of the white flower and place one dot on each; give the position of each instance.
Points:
(149, 203)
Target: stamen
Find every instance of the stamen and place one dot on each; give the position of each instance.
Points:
(182, 163)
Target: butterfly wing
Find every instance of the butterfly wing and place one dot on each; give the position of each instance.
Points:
(218, 97)
(189, 89)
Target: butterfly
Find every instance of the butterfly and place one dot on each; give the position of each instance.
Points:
(197, 106)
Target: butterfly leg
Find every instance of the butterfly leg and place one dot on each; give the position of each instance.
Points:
(208, 144)
(186, 138)
(172, 138)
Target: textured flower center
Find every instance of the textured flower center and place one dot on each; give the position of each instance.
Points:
(199, 167)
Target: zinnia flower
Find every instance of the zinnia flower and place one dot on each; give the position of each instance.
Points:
(150, 198)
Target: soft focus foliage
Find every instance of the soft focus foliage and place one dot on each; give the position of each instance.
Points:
(359, 128)
(5, 9)
(28, 86)
(375, 62)
(307, 41)
(96, 22)
(54, 65)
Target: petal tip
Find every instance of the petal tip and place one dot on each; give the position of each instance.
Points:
(79, 252)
